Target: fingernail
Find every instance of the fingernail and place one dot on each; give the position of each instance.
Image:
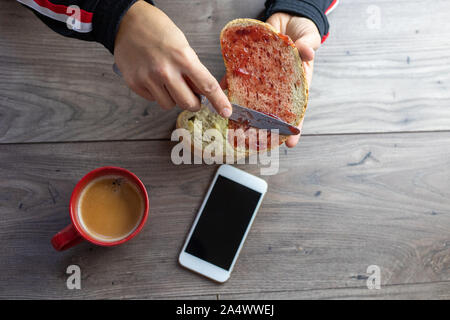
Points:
(226, 112)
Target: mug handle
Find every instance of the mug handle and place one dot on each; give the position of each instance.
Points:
(66, 238)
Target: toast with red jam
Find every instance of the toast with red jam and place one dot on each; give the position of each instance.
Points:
(264, 72)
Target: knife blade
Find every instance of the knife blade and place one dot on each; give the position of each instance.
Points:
(256, 119)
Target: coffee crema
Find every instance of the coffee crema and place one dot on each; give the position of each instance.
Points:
(110, 208)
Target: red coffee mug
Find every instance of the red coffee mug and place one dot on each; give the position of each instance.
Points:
(74, 233)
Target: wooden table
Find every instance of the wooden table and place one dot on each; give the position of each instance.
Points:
(368, 184)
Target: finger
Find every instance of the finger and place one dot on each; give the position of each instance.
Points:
(310, 37)
(293, 140)
(308, 66)
(208, 86)
(191, 85)
(182, 94)
(144, 93)
(275, 22)
(306, 52)
(161, 95)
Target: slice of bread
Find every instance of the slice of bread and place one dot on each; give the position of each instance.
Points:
(264, 73)
(201, 121)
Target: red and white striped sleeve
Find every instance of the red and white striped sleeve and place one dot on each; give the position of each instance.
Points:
(316, 10)
(92, 20)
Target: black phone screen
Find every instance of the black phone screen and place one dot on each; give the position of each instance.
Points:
(223, 222)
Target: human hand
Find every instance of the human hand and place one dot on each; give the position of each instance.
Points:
(157, 62)
(306, 38)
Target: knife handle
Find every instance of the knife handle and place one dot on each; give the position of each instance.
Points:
(116, 70)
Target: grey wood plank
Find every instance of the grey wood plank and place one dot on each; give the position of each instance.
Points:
(417, 291)
(337, 205)
(392, 78)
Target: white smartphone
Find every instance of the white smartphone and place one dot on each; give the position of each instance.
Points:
(222, 223)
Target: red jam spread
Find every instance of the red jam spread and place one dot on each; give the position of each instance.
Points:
(251, 137)
(261, 70)
(286, 39)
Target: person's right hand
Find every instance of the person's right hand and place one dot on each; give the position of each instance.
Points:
(157, 62)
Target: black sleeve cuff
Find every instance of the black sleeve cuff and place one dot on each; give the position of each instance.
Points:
(307, 9)
(106, 21)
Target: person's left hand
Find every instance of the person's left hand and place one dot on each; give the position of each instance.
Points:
(306, 38)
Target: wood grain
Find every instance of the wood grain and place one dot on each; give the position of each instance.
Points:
(434, 291)
(338, 204)
(369, 183)
(390, 78)
(394, 78)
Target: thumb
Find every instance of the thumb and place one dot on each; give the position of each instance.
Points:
(306, 46)
(274, 21)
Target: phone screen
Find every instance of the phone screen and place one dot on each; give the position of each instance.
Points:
(223, 222)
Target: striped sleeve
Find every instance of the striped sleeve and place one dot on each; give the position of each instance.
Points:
(91, 20)
(316, 10)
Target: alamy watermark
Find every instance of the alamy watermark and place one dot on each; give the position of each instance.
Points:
(374, 280)
(374, 19)
(74, 279)
(73, 22)
(252, 146)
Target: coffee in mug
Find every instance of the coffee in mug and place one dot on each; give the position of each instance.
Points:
(110, 208)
